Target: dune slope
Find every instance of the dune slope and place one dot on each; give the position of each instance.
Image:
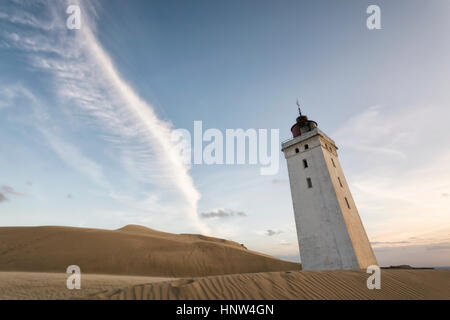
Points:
(395, 284)
(132, 250)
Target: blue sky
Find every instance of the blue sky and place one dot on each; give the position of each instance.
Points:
(85, 115)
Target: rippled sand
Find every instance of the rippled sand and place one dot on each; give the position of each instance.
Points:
(395, 284)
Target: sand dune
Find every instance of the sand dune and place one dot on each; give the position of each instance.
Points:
(132, 250)
(180, 266)
(395, 284)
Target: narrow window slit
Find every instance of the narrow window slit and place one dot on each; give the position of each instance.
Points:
(346, 201)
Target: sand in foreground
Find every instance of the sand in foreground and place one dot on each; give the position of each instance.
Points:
(52, 286)
(395, 284)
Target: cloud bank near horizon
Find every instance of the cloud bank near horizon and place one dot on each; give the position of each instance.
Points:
(398, 175)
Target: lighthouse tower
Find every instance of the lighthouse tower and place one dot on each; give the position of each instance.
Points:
(330, 233)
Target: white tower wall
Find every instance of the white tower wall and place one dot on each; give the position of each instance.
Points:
(330, 232)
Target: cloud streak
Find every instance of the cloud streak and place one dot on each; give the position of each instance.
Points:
(86, 77)
(271, 232)
(7, 190)
(10, 190)
(400, 174)
(3, 198)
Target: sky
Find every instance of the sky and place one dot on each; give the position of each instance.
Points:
(86, 116)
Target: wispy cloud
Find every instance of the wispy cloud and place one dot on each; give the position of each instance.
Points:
(25, 18)
(3, 198)
(400, 172)
(86, 77)
(10, 190)
(17, 94)
(10, 94)
(271, 232)
(7, 190)
(74, 157)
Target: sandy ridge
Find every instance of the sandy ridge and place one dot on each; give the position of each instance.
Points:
(132, 250)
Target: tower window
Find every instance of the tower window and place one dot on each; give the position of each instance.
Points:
(309, 182)
(340, 183)
(305, 163)
(326, 146)
(306, 147)
(332, 161)
(297, 150)
(346, 201)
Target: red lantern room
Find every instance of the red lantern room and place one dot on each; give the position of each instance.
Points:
(302, 124)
